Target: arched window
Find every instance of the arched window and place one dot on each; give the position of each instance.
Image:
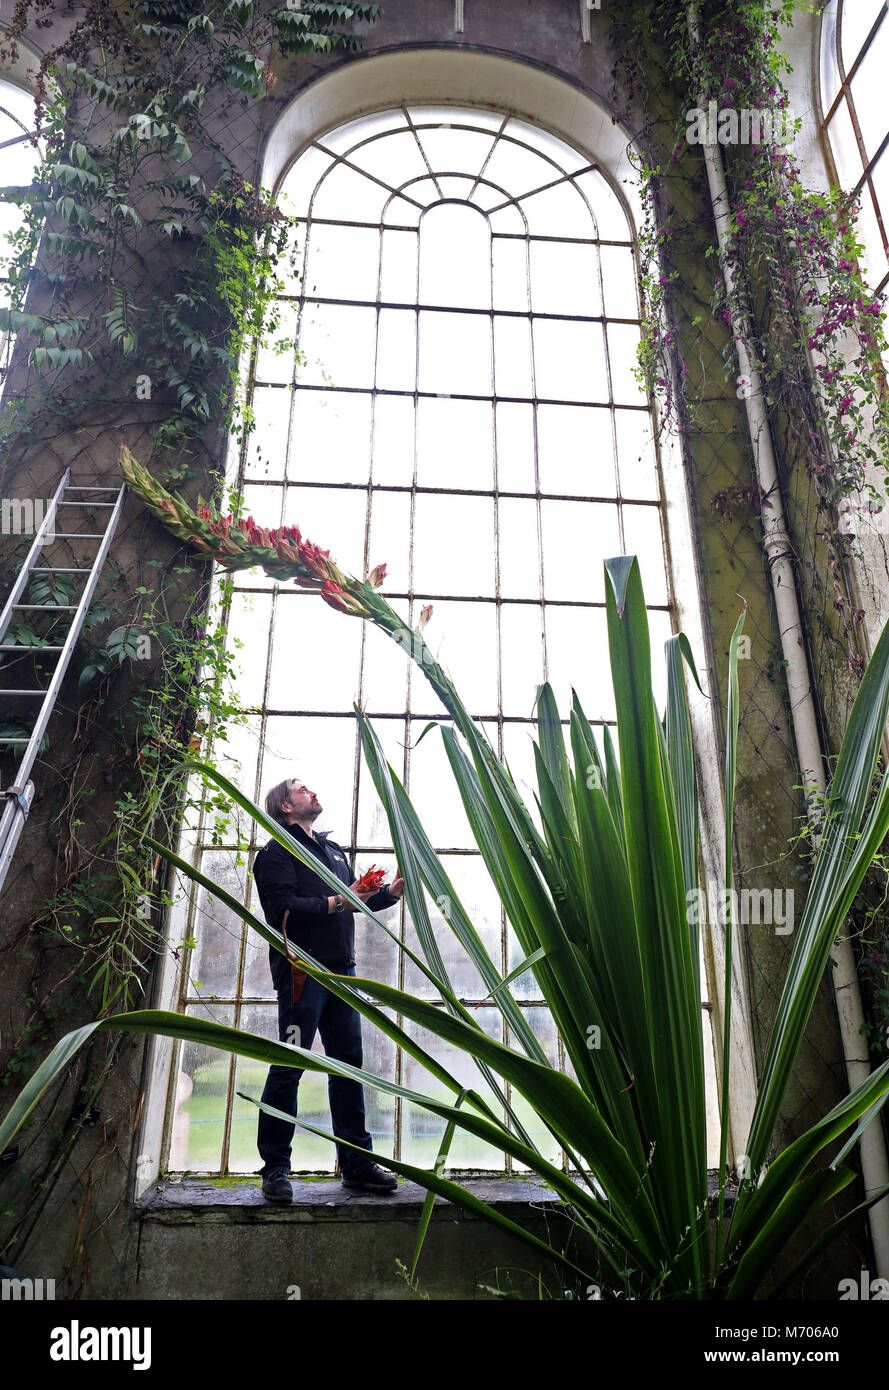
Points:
(18, 159)
(463, 407)
(854, 58)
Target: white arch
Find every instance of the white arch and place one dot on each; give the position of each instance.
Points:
(454, 77)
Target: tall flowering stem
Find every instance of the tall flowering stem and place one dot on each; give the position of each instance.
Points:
(237, 543)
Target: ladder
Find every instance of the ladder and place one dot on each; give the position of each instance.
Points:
(16, 800)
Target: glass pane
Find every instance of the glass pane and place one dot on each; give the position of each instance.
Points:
(257, 975)
(515, 447)
(397, 350)
(321, 753)
(217, 930)
(376, 954)
(572, 529)
(569, 360)
(456, 116)
(299, 185)
(454, 545)
(422, 1130)
(373, 828)
(623, 341)
(465, 641)
(450, 150)
(619, 281)
(508, 218)
(610, 218)
(660, 630)
(394, 158)
(542, 1025)
(346, 137)
(342, 262)
(455, 444)
(248, 625)
(858, 19)
(512, 357)
(520, 170)
(405, 208)
(399, 279)
(267, 446)
(642, 537)
(635, 451)
(200, 1099)
(309, 1153)
(868, 92)
(474, 890)
(315, 656)
(338, 343)
(331, 517)
(272, 364)
(331, 437)
(237, 757)
(390, 535)
(844, 146)
(565, 279)
(455, 354)
(519, 553)
(393, 451)
(830, 73)
(518, 753)
(264, 505)
(576, 450)
(434, 793)
(521, 636)
(455, 257)
(549, 145)
(346, 195)
(558, 211)
(577, 657)
(510, 274)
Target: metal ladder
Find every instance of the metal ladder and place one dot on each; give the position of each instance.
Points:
(16, 800)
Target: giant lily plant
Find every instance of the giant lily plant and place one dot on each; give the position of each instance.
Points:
(597, 897)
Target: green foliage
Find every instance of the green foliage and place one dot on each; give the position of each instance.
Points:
(598, 898)
(109, 204)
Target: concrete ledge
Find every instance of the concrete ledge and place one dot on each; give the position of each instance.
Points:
(325, 1199)
(206, 1240)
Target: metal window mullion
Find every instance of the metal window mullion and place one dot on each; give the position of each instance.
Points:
(494, 143)
(406, 763)
(367, 541)
(413, 130)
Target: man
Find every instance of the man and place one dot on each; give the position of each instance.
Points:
(324, 926)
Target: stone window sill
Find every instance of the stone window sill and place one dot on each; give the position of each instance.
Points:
(325, 1199)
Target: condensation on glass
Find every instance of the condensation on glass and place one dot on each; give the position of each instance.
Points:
(19, 157)
(463, 407)
(854, 58)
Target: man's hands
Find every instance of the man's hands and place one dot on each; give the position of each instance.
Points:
(396, 888)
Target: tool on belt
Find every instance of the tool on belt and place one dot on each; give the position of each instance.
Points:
(297, 977)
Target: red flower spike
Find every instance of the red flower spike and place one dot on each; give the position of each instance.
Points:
(371, 878)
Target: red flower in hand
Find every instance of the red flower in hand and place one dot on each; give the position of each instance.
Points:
(371, 880)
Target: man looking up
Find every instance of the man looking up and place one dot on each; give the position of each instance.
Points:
(324, 926)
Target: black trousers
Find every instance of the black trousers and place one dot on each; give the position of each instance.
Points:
(318, 1011)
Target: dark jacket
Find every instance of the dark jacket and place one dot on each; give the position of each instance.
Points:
(283, 883)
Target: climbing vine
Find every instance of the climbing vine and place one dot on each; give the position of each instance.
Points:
(816, 331)
(146, 267)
